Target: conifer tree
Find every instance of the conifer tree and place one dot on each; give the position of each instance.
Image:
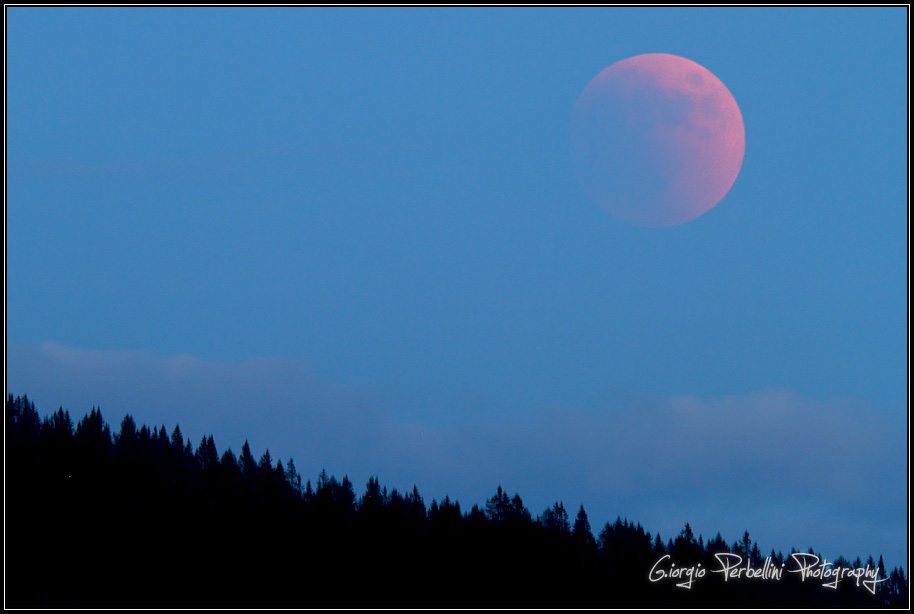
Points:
(581, 532)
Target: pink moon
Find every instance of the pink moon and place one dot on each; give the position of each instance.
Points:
(658, 140)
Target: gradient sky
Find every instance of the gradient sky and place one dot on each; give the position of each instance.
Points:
(355, 236)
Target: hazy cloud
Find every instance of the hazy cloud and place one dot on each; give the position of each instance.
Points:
(794, 471)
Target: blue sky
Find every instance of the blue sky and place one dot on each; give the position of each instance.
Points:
(355, 236)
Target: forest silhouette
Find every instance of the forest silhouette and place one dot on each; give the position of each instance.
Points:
(143, 518)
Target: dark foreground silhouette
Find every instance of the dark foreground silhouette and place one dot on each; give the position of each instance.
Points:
(144, 519)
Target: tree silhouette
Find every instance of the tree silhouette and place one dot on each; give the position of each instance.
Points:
(153, 523)
(582, 533)
(555, 520)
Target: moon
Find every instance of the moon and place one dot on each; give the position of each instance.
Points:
(658, 140)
